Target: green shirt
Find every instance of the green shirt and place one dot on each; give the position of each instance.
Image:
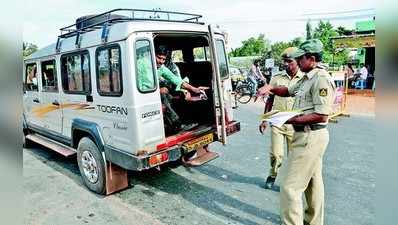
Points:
(165, 73)
(145, 75)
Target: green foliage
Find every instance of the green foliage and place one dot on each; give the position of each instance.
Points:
(296, 42)
(28, 49)
(308, 30)
(278, 47)
(199, 53)
(325, 32)
(252, 46)
(344, 31)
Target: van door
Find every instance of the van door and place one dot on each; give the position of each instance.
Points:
(51, 115)
(147, 109)
(31, 97)
(219, 64)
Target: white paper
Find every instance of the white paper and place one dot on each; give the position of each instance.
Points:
(280, 118)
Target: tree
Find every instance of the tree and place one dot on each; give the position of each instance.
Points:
(308, 30)
(278, 47)
(325, 32)
(344, 31)
(28, 49)
(252, 46)
(296, 42)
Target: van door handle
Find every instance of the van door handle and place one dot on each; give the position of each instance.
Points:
(36, 100)
(56, 103)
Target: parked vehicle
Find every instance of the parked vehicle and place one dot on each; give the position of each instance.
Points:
(83, 95)
(236, 75)
(244, 91)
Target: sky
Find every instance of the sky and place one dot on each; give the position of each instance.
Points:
(277, 20)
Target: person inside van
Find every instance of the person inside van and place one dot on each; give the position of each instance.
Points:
(168, 81)
(175, 80)
(171, 65)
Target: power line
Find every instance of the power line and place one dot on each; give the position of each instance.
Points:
(340, 12)
(330, 18)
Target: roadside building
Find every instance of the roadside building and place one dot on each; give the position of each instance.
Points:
(363, 42)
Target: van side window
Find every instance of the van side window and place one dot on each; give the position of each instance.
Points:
(201, 54)
(75, 70)
(49, 76)
(176, 56)
(109, 73)
(222, 59)
(31, 77)
(146, 80)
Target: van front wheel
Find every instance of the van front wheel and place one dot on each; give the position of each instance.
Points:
(91, 165)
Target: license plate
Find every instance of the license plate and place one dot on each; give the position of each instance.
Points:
(198, 142)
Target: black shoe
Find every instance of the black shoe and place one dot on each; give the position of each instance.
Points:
(269, 182)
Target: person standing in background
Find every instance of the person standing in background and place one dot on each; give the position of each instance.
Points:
(280, 136)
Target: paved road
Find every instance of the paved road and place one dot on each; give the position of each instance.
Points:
(227, 190)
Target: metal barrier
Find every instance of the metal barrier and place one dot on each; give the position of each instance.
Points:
(340, 101)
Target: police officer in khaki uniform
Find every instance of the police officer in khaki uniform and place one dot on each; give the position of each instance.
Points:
(314, 95)
(289, 77)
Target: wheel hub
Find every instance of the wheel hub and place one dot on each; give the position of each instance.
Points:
(90, 168)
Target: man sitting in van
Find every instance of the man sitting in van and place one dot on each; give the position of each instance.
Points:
(171, 65)
(168, 80)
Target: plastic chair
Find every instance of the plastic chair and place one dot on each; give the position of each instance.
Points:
(360, 84)
(339, 83)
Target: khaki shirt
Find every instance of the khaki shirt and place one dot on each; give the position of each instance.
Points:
(284, 80)
(315, 92)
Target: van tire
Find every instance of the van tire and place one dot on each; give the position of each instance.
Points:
(91, 165)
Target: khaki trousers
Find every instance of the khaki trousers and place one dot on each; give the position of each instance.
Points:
(278, 138)
(304, 175)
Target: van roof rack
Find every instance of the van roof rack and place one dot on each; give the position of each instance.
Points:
(103, 20)
(124, 15)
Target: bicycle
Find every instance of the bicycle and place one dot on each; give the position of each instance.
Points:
(244, 91)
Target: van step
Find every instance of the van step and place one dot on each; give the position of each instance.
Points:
(58, 147)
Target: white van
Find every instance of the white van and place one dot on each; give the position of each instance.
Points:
(82, 94)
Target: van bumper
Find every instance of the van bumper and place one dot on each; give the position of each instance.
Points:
(129, 161)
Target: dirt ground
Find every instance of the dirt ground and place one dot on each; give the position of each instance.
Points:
(361, 102)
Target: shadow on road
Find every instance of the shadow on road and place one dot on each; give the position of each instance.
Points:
(201, 196)
(229, 176)
(166, 180)
(65, 166)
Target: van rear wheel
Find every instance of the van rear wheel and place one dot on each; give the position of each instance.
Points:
(91, 165)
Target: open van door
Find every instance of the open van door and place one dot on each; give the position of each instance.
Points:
(216, 46)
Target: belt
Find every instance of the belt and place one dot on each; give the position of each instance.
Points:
(302, 128)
